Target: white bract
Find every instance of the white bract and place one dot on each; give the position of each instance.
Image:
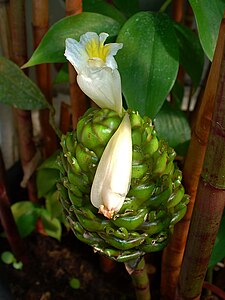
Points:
(112, 179)
(96, 67)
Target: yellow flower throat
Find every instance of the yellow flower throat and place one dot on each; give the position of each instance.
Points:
(95, 49)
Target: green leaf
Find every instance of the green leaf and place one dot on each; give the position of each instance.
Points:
(51, 225)
(171, 125)
(191, 53)
(51, 162)
(62, 75)
(75, 283)
(208, 16)
(53, 204)
(46, 180)
(178, 93)
(52, 46)
(25, 215)
(104, 8)
(17, 89)
(148, 61)
(18, 265)
(128, 7)
(8, 257)
(218, 252)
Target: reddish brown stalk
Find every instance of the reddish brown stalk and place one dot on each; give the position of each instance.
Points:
(43, 75)
(23, 117)
(178, 10)
(210, 199)
(65, 118)
(78, 98)
(73, 7)
(4, 30)
(7, 220)
(173, 254)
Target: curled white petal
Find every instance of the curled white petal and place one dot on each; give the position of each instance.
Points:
(96, 68)
(112, 178)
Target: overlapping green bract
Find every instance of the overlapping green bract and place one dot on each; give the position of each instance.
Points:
(155, 202)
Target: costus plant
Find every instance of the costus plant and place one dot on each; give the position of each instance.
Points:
(120, 187)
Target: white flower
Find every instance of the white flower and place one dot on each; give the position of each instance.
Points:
(112, 179)
(96, 67)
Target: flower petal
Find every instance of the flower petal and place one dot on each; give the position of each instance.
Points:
(103, 86)
(97, 69)
(76, 54)
(112, 179)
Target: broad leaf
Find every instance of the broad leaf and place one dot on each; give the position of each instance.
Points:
(51, 225)
(128, 7)
(148, 61)
(177, 93)
(191, 53)
(103, 8)
(208, 14)
(52, 46)
(218, 252)
(53, 204)
(50, 162)
(25, 215)
(171, 125)
(17, 89)
(46, 180)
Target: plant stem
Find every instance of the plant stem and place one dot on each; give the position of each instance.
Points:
(173, 254)
(4, 30)
(178, 10)
(210, 200)
(78, 98)
(140, 279)
(7, 220)
(43, 75)
(23, 117)
(165, 5)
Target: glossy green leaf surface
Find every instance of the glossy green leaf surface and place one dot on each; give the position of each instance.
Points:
(103, 8)
(172, 125)
(208, 14)
(191, 52)
(148, 61)
(218, 252)
(17, 89)
(52, 46)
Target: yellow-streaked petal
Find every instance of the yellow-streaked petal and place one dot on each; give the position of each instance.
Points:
(112, 179)
(97, 69)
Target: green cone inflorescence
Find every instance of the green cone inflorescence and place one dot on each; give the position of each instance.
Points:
(156, 199)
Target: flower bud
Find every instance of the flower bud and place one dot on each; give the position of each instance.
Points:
(112, 178)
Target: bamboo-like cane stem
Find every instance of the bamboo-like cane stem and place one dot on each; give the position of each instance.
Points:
(78, 98)
(178, 9)
(43, 75)
(4, 30)
(23, 117)
(210, 198)
(173, 254)
(140, 279)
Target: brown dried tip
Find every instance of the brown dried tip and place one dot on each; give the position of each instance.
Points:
(107, 213)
